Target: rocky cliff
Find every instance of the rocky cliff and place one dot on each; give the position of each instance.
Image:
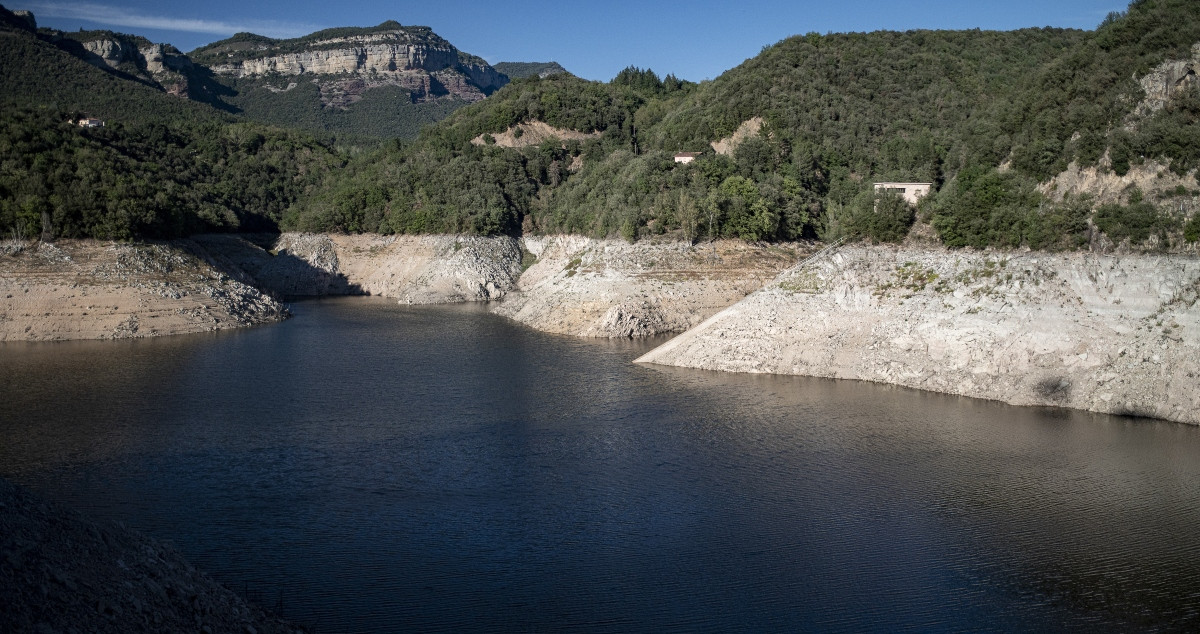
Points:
(1166, 81)
(350, 61)
(159, 65)
(1114, 334)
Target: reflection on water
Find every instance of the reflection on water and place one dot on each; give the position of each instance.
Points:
(383, 468)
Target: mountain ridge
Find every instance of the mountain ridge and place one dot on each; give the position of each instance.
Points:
(406, 76)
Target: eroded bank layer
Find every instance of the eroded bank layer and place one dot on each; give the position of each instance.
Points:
(1114, 334)
(611, 288)
(430, 269)
(102, 290)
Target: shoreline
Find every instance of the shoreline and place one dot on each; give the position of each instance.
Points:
(1108, 334)
(85, 289)
(62, 572)
(1116, 334)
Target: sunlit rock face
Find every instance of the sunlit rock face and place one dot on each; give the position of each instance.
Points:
(412, 58)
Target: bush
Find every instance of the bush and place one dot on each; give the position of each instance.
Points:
(1191, 231)
(1136, 221)
(984, 207)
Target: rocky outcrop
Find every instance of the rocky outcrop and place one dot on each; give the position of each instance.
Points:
(749, 128)
(1106, 186)
(412, 58)
(532, 133)
(112, 52)
(26, 18)
(357, 56)
(103, 290)
(159, 58)
(1165, 81)
(60, 572)
(1114, 334)
(157, 64)
(611, 288)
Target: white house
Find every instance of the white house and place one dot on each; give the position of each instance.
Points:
(911, 192)
(90, 122)
(686, 157)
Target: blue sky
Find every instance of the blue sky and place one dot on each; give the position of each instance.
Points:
(695, 40)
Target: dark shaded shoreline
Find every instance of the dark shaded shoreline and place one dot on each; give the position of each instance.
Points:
(60, 572)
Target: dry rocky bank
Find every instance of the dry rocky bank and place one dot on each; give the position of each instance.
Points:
(1107, 333)
(611, 288)
(102, 290)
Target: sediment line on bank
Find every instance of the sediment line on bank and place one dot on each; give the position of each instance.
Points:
(1112, 334)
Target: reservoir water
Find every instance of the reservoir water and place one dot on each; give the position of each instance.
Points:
(372, 467)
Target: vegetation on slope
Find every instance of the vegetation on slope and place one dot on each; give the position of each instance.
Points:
(387, 112)
(521, 70)
(161, 166)
(446, 182)
(987, 117)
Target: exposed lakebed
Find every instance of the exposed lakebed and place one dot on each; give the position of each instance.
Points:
(375, 467)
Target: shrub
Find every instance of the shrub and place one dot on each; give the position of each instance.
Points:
(1136, 221)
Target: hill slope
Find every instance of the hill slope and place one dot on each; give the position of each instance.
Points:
(793, 139)
(378, 82)
(160, 167)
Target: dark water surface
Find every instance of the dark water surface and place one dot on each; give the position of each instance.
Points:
(381, 468)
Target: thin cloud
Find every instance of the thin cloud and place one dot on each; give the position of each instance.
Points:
(118, 16)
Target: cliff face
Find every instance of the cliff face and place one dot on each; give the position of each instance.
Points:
(159, 65)
(433, 269)
(412, 58)
(370, 54)
(408, 74)
(1168, 80)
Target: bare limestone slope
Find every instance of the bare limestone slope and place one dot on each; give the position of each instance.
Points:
(101, 290)
(105, 290)
(1115, 334)
(428, 269)
(611, 288)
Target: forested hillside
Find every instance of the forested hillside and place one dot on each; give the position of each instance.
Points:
(1016, 130)
(985, 116)
(160, 167)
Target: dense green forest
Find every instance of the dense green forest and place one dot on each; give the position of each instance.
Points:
(987, 117)
(386, 112)
(161, 166)
(381, 113)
